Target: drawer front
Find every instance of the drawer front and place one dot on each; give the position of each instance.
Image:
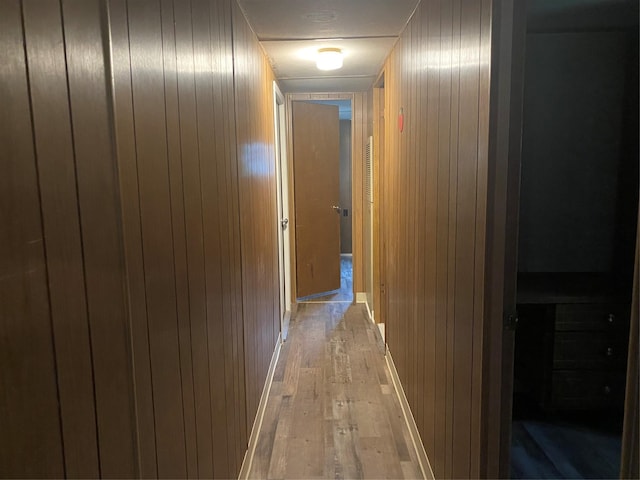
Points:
(584, 389)
(592, 317)
(588, 350)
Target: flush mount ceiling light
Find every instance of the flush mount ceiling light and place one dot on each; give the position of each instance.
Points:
(329, 59)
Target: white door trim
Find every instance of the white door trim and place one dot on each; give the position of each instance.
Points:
(282, 201)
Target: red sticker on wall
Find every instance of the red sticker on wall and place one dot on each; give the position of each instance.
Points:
(401, 120)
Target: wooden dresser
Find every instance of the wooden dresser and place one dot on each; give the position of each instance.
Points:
(571, 342)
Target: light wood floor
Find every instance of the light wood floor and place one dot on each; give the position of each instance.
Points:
(332, 411)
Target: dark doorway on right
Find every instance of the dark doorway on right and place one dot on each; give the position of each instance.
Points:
(577, 234)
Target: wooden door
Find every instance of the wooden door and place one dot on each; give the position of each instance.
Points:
(316, 160)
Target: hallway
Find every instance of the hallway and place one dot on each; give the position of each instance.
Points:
(332, 410)
(150, 239)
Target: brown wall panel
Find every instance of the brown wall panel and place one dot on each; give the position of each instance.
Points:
(124, 134)
(179, 235)
(31, 437)
(435, 191)
(186, 184)
(235, 370)
(127, 291)
(194, 231)
(98, 193)
(138, 268)
(145, 38)
(56, 168)
(258, 216)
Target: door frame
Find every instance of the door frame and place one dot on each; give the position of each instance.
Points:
(505, 142)
(283, 211)
(378, 247)
(501, 248)
(358, 143)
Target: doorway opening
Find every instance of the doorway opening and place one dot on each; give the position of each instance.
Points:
(576, 240)
(344, 207)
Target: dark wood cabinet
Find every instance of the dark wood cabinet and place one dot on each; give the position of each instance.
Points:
(571, 345)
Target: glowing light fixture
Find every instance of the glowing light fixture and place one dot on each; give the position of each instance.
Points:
(329, 59)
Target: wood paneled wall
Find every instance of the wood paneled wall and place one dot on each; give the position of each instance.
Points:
(258, 212)
(435, 192)
(138, 268)
(362, 128)
(67, 400)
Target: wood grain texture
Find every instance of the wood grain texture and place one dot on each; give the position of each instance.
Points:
(98, 193)
(186, 284)
(378, 274)
(207, 366)
(361, 109)
(332, 411)
(434, 183)
(61, 221)
(361, 129)
(255, 140)
(148, 91)
(316, 161)
(30, 426)
(125, 146)
(122, 285)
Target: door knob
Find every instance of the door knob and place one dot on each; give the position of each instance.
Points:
(337, 209)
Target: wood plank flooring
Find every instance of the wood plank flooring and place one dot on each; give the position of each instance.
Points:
(332, 411)
(547, 449)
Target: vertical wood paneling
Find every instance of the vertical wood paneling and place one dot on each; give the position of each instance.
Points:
(132, 233)
(480, 325)
(258, 216)
(234, 282)
(444, 68)
(180, 117)
(30, 429)
(359, 125)
(179, 234)
(185, 51)
(435, 191)
(98, 193)
(128, 287)
(451, 251)
(63, 243)
(145, 35)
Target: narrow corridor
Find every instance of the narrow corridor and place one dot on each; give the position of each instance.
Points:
(332, 410)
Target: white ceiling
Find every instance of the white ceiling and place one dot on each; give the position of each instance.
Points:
(291, 31)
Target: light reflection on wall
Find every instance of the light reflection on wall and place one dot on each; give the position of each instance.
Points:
(257, 159)
(462, 58)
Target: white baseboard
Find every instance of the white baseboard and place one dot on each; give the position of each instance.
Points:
(285, 326)
(369, 312)
(382, 333)
(257, 423)
(361, 297)
(423, 460)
